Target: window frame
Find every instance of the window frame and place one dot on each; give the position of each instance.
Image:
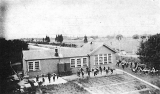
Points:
(110, 58)
(80, 62)
(33, 63)
(74, 63)
(96, 56)
(106, 58)
(101, 57)
(86, 61)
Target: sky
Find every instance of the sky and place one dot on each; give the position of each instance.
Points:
(38, 18)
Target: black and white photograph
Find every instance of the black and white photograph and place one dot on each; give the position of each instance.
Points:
(79, 46)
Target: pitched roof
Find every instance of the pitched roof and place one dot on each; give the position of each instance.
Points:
(38, 54)
(65, 51)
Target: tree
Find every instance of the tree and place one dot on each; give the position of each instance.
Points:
(119, 37)
(149, 51)
(56, 38)
(85, 39)
(136, 36)
(59, 38)
(47, 39)
(10, 52)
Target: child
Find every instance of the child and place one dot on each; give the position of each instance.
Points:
(106, 71)
(49, 77)
(100, 68)
(43, 78)
(37, 78)
(82, 74)
(53, 77)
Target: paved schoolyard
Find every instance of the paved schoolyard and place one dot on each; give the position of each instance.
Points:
(74, 76)
(57, 81)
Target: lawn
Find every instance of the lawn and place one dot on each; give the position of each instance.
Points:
(66, 88)
(117, 84)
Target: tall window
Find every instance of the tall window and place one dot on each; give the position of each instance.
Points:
(110, 58)
(105, 59)
(96, 59)
(33, 65)
(84, 61)
(78, 62)
(73, 63)
(100, 59)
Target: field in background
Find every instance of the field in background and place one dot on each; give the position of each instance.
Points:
(127, 44)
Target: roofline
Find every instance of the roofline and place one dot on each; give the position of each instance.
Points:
(56, 58)
(100, 47)
(110, 48)
(40, 59)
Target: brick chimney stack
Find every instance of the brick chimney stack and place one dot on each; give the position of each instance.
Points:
(56, 52)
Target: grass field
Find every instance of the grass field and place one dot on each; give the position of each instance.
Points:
(117, 84)
(111, 84)
(67, 88)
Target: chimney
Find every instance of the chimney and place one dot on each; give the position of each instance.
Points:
(56, 51)
(91, 46)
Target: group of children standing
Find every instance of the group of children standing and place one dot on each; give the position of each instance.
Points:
(126, 64)
(49, 77)
(95, 71)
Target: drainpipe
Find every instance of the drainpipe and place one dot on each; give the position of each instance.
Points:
(89, 63)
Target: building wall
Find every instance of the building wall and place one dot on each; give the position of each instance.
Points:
(67, 60)
(47, 66)
(102, 50)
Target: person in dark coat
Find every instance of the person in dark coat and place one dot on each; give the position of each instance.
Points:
(107, 71)
(49, 77)
(100, 68)
(82, 74)
(111, 71)
(104, 68)
(37, 78)
(54, 77)
(123, 66)
(43, 78)
(131, 65)
(81, 70)
(89, 72)
(87, 69)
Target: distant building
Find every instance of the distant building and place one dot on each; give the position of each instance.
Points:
(37, 62)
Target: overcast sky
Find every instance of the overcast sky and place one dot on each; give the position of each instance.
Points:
(37, 18)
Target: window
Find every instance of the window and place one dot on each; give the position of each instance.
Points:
(96, 60)
(100, 59)
(105, 59)
(33, 65)
(110, 58)
(84, 61)
(78, 62)
(73, 63)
